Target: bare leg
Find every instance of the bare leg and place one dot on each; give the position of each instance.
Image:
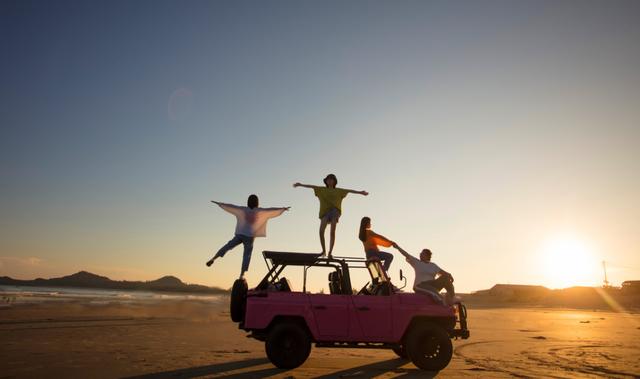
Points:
(332, 236)
(323, 227)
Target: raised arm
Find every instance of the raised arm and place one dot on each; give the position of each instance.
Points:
(413, 261)
(297, 184)
(401, 250)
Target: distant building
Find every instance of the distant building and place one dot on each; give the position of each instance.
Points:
(631, 286)
(514, 290)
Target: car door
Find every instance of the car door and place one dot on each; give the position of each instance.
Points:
(331, 313)
(374, 316)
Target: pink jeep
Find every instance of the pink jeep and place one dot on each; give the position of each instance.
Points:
(379, 316)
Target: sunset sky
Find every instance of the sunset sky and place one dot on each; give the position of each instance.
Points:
(504, 136)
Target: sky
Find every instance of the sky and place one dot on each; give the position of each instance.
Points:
(501, 135)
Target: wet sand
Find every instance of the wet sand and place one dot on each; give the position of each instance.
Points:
(192, 338)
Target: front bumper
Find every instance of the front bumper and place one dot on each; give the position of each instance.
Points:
(462, 331)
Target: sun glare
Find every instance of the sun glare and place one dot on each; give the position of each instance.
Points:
(568, 261)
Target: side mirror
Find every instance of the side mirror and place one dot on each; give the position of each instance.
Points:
(402, 278)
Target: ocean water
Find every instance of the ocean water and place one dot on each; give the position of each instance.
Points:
(27, 294)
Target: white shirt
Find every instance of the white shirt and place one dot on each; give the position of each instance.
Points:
(251, 222)
(424, 270)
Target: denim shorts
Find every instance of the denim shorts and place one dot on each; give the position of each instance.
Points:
(332, 215)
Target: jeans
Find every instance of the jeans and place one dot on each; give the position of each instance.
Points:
(385, 258)
(248, 249)
(443, 281)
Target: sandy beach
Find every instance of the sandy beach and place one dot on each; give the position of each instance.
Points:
(195, 338)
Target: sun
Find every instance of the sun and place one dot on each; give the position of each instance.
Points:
(569, 261)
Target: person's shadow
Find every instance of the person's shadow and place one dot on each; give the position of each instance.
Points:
(364, 371)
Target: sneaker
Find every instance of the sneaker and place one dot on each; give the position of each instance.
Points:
(210, 262)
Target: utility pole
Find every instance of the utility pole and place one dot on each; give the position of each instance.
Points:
(604, 267)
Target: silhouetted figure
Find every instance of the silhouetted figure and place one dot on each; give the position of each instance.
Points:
(330, 206)
(251, 223)
(371, 241)
(426, 271)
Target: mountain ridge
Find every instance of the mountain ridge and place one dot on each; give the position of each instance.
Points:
(85, 279)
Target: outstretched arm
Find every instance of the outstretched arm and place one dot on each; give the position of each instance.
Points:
(364, 193)
(275, 212)
(381, 240)
(401, 250)
(233, 209)
(297, 184)
(225, 204)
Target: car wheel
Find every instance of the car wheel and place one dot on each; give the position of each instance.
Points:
(429, 347)
(238, 300)
(288, 345)
(401, 351)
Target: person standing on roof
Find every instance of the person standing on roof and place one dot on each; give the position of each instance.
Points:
(426, 271)
(330, 206)
(371, 241)
(251, 223)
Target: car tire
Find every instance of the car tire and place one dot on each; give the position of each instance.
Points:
(429, 347)
(401, 352)
(238, 303)
(288, 345)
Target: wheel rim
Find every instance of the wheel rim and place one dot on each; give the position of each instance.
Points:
(430, 347)
(288, 345)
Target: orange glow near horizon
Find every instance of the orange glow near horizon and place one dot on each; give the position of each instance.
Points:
(569, 261)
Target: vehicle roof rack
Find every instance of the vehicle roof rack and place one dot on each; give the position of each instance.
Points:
(282, 257)
(293, 258)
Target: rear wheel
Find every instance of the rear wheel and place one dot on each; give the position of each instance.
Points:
(429, 347)
(288, 345)
(238, 300)
(401, 352)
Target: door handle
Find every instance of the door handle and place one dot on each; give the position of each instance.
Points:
(363, 308)
(319, 307)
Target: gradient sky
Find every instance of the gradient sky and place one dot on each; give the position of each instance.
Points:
(483, 130)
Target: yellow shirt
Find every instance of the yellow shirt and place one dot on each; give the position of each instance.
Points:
(330, 198)
(374, 240)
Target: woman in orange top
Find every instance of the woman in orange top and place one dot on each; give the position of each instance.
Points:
(371, 241)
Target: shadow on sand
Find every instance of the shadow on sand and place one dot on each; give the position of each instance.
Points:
(364, 371)
(219, 368)
(376, 369)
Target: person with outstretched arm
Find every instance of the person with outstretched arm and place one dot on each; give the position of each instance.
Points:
(371, 240)
(425, 274)
(330, 206)
(251, 223)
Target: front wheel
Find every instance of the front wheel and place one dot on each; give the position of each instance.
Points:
(288, 345)
(429, 347)
(238, 301)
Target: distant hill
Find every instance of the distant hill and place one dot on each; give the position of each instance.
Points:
(84, 279)
(573, 297)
